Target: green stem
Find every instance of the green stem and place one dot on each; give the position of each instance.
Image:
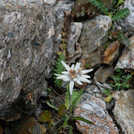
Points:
(70, 98)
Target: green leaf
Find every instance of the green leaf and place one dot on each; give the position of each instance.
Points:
(121, 14)
(113, 4)
(59, 121)
(52, 106)
(71, 130)
(84, 120)
(65, 124)
(121, 80)
(109, 98)
(45, 116)
(106, 91)
(119, 3)
(100, 5)
(58, 69)
(62, 110)
(67, 98)
(75, 101)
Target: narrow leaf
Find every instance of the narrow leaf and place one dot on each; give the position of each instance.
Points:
(84, 120)
(66, 122)
(52, 106)
(67, 98)
(59, 121)
(75, 101)
(71, 130)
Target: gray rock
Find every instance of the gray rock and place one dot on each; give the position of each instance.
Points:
(94, 110)
(60, 8)
(127, 58)
(93, 38)
(92, 89)
(124, 110)
(27, 3)
(103, 86)
(51, 2)
(75, 31)
(103, 73)
(28, 36)
(127, 24)
(84, 97)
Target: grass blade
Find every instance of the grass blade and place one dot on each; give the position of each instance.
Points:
(52, 106)
(84, 120)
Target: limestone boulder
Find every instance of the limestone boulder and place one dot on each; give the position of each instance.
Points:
(29, 32)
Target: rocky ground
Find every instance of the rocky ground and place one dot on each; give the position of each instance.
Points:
(31, 34)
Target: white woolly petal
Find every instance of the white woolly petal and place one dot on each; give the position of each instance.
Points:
(77, 66)
(62, 77)
(71, 86)
(65, 72)
(65, 65)
(66, 79)
(78, 81)
(84, 79)
(86, 71)
(57, 74)
(85, 76)
(72, 67)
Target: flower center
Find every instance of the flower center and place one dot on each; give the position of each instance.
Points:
(72, 74)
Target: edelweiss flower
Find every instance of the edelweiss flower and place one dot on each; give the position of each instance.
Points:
(74, 74)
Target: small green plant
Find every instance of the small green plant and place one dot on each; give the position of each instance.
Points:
(120, 80)
(121, 14)
(108, 93)
(72, 74)
(65, 113)
(58, 69)
(100, 5)
(115, 14)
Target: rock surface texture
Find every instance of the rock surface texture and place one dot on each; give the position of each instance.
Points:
(94, 110)
(92, 40)
(28, 44)
(111, 53)
(127, 24)
(75, 31)
(103, 73)
(127, 58)
(124, 110)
